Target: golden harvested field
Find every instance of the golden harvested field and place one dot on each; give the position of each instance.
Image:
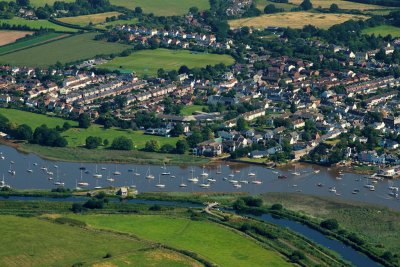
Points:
(86, 19)
(8, 37)
(342, 4)
(294, 20)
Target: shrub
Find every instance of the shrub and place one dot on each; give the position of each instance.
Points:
(277, 207)
(122, 143)
(297, 256)
(77, 207)
(330, 224)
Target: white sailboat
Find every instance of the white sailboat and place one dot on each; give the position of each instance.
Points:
(81, 182)
(3, 184)
(76, 185)
(165, 172)
(205, 185)
(296, 172)
(160, 185)
(250, 173)
(255, 181)
(193, 179)
(58, 182)
(29, 168)
(109, 179)
(204, 173)
(116, 171)
(11, 171)
(182, 183)
(133, 184)
(2, 156)
(97, 175)
(97, 185)
(219, 169)
(136, 173)
(149, 175)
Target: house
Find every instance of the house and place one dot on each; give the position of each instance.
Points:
(298, 124)
(257, 154)
(123, 191)
(209, 148)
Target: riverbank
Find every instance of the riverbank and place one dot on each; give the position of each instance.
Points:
(377, 226)
(68, 154)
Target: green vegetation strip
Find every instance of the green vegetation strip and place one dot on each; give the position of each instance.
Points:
(36, 24)
(383, 30)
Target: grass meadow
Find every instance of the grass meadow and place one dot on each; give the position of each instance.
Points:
(294, 20)
(143, 62)
(383, 30)
(87, 19)
(37, 242)
(189, 110)
(341, 3)
(74, 48)
(209, 240)
(37, 24)
(163, 7)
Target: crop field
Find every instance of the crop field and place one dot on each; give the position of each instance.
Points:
(77, 136)
(87, 19)
(8, 37)
(36, 242)
(37, 24)
(163, 7)
(383, 30)
(35, 40)
(295, 20)
(341, 3)
(143, 62)
(209, 240)
(78, 47)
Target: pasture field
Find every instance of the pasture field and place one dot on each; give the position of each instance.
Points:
(209, 240)
(105, 25)
(163, 7)
(341, 3)
(147, 62)
(35, 40)
(37, 24)
(87, 19)
(38, 3)
(8, 37)
(295, 20)
(36, 242)
(76, 136)
(74, 48)
(188, 110)
(382, 229)
(286, 6)
(383, 30)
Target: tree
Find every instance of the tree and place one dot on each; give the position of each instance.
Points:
(181, 147)
(92, 142)
(194, 139)
(270, 9)
(183, 69)
(334, 8)
(177, 130)
(84, 120)
(241, 124)
(330, 224)
(120, 101)
(293, 107)
(152, 146)
(66, 126)
(167, 148)
(4, 124)
(138, 10)
(306, 5)
(122, 143)
(194, 10)
(24, 132)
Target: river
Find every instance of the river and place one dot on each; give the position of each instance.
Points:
(306, 182)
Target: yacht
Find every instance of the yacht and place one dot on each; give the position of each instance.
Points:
(393, 188)
(250, 173)
(332, 189)
(136, 173)
(96, 174)
(193, 179)
(160, 185)
(211, 180)
(296, 173)
(2, 156)
(29, 168)
(116, 171)
(204, 173)
(103, 168)
(58, 183)
(370, 187)
(320, 185)
(109, 179)
(149, 175)
(165, 172)
(317, 171)
(81, 182)
(244, 181)
(3, 184)
(204, 185)
(219, 169)
(256, 182)
(182, 183)
(237, 186)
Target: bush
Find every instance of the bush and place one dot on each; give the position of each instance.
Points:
(167, 148)
(353, 237)
(108, 255)
(297, 256)
(122, 143)
(252, 201)
(69, 221)
(330, 224)
(92, 142)
(77, 207)
(94, 204)
(155, 207)
(277, 207)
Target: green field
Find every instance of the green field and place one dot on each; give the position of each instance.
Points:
(143, 62)
(37, 24)
(77, 136)
(30, 42)
(38, 3)
(383, 30)
(211, 241)
(36, 242)
(74, 48)
(163, 7)
(106, 25)
(87, 19)
(382, 230)
(188, 110)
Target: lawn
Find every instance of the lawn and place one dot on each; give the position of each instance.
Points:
(143, 62)
(294, 20)
(37, 3)
(163, 7)
(74, 48)
(209, 240)
(378, 225)
(77, 136)
(26, 243)
(35, 40)
(37, 24)
(8, 37)
(341, 3)
(87, 19)
(383, 30)
(189, 110)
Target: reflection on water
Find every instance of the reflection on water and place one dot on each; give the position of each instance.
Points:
(32, 172)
